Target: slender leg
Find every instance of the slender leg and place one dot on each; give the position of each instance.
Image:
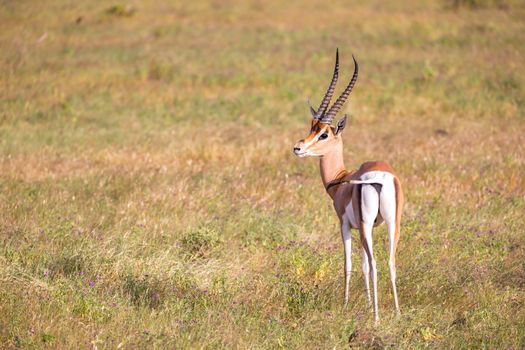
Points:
(347, 242)
(369, 210)
(388, 212)
(392, 263)
(367, 228)
(366, 271)
(392, 267)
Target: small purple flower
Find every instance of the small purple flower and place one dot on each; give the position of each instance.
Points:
(81, 273)
(46, 273)
(155, 296)
(91, 283)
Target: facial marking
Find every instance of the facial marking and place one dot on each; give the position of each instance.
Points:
(314, 144)
(317, 130)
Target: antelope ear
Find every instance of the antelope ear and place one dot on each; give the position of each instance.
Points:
(340, 125)
(312, 110)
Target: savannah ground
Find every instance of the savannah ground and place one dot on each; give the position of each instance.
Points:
(149, 197)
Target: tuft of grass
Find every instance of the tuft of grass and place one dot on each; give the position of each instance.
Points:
(144, 290)
(121, 10)
(200, 242)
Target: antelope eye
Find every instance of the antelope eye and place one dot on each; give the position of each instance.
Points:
(323, 136)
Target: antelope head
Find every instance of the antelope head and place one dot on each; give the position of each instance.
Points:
(323, 136)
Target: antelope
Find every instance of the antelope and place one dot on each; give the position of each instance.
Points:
(363, 198)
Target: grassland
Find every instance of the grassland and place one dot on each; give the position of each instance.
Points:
(149, 197)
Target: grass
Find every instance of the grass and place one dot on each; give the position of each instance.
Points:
(149, 197)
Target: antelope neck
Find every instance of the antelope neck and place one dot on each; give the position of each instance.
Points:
(332, 166)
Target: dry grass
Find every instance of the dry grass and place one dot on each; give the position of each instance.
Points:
(149, 197)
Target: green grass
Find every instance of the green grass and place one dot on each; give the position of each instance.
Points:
(149, 197)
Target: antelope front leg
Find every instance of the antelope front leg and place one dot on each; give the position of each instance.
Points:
(347, 242)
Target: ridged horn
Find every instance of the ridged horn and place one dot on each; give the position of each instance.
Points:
(329, 116)
(330, 91)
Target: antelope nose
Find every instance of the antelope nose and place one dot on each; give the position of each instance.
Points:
(296, 150)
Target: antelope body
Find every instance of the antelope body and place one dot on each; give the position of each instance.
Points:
(363, 198)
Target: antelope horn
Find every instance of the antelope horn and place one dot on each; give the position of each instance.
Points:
(330, 91)
(329, 116)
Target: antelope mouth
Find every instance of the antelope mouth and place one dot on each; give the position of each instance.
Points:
(305, 154)
(299, 153)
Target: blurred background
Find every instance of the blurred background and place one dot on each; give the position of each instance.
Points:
(149, 196)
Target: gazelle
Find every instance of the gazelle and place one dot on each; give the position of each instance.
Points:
(362, 199)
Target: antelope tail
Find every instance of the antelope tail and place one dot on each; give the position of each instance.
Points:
(370, 181)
